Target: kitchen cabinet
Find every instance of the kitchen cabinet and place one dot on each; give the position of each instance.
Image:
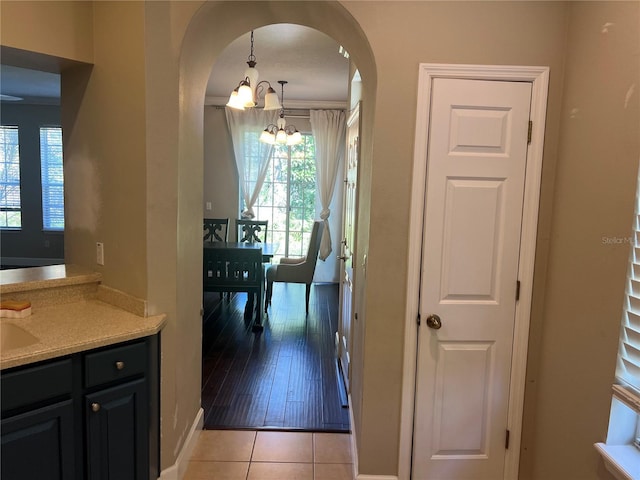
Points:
(92, 415)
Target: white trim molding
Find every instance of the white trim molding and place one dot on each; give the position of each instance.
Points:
(178, 469)
(539, 78)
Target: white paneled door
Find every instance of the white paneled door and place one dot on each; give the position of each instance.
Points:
(476, 163)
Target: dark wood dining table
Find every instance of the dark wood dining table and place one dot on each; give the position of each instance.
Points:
(238, 267)
(268, 249)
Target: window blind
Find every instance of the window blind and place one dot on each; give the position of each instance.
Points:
(628, 366)
(52, 178)
(10, 206)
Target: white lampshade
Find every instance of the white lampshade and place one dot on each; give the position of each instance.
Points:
(234, 101)
(268, 137)
(295, 138)
(271, 101)
(245, 95)
(281, 136)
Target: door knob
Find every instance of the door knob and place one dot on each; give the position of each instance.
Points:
(433, 321)
(95, 407)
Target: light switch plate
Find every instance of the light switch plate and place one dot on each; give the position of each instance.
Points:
(100, 253)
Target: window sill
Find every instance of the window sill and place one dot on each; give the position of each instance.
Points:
(623, 461)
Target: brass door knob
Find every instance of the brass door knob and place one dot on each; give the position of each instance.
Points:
(95, 407)
(433, 321)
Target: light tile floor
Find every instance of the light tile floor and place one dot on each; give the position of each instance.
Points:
(250, 455)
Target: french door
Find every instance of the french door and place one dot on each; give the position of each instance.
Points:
(288, 197)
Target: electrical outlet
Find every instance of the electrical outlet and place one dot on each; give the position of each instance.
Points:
(100, 253)
(208, 205)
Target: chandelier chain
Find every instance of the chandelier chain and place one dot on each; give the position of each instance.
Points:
(252, 57)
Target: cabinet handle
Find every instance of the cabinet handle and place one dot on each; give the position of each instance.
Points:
(95, 407)
(120, 365)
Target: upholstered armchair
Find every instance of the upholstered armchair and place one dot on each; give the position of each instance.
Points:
(298, 269)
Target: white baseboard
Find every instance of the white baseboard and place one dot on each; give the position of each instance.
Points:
(354, 446)
(178, 469)
(376, 477)
(354, 453)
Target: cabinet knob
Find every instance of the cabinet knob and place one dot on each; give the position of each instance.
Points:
(120, 365)
(95, 407)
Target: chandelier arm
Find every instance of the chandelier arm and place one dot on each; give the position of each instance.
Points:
(260, 87)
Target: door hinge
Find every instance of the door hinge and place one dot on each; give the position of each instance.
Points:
(418, 319)
(529, 132)
(506, 441)
(517, 290)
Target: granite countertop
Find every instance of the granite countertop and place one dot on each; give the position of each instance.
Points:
(69, 327)
(76, 327)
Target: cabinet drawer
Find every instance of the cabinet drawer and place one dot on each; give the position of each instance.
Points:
(115, 364)
(29, 385)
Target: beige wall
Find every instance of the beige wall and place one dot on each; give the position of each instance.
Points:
(402, 35)
(575, 332)
(105, 152)
(141, 111)
(62, 29)
(220, 172)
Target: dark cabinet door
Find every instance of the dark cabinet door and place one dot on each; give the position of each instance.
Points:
(117, 432)
(38, 445)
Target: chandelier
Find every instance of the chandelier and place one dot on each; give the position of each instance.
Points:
(281, 132)
(246, 94)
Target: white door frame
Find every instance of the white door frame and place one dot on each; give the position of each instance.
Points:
(539, 77)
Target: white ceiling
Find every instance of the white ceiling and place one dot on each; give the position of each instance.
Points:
(308, 59)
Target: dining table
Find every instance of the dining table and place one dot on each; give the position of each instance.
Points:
(238, 267)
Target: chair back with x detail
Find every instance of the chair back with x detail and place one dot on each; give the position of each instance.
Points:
(216, 229)
(252, 231)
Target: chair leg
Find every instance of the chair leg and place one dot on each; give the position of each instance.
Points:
(308, 294)
(267, 296)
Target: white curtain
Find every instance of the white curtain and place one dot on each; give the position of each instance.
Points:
(252, 164)
(328, 127)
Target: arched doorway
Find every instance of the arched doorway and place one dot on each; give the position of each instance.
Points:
(214, 26)
(285, 377)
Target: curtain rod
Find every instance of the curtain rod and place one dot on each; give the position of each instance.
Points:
(292, 112)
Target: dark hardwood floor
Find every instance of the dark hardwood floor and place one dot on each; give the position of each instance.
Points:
(282, 378)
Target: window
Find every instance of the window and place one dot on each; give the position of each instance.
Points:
(10, 210)
(52, 178)
(621, 452)
(288, 197)
(628, 366)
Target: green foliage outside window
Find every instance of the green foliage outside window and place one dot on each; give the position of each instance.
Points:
(288, 196)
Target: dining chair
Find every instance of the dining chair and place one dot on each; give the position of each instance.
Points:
(296, 269)
(216, 229)
(252, 231)
(231, 269)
